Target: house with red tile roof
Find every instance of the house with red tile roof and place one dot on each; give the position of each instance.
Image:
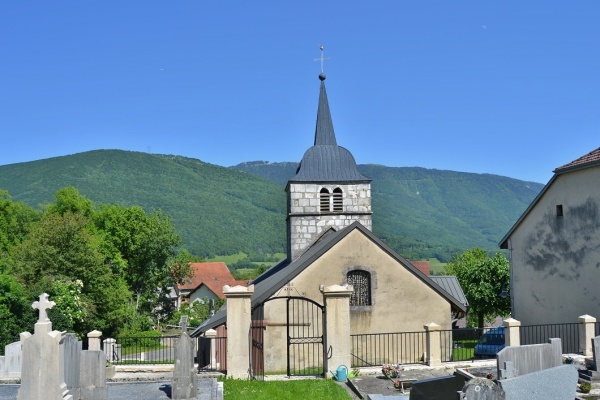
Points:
(207, 281)
(554, 248)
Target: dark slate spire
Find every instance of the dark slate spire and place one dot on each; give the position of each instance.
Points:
(324, 133)
(326, 161)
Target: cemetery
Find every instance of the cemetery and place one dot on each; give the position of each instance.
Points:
(49, 364)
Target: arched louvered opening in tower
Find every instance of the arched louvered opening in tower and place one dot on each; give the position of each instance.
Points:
(361, 281)
(324, 200)
(338, 200)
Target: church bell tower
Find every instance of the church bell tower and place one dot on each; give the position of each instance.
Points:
(328, 191)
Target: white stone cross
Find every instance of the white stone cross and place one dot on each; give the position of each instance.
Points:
(43, 305)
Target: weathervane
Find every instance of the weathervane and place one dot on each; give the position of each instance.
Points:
(322, 58)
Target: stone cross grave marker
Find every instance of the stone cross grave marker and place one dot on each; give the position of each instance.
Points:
(42, 305)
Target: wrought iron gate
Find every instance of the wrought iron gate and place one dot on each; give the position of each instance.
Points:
(304, 329)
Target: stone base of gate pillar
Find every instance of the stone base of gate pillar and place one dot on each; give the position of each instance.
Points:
(238, 325)
(337, 338)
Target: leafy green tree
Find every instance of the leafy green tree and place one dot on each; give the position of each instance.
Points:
(16, 314)
(146, 243)
(62, 248)
(70, 200)
(14, 220)
(482, 279)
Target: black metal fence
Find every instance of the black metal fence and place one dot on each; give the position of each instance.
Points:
(145, 350)
(386, 348)
(459, 344)
(567, 332)
(212, 354)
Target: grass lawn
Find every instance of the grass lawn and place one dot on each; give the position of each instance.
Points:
(283, 390)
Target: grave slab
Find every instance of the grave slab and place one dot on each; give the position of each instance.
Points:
(552, 383)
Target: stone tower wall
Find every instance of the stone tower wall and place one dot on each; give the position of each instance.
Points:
(305, 221)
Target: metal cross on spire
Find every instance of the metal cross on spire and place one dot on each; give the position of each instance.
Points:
(322, 58)
(43, 304)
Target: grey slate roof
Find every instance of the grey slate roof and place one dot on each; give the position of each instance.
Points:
(271, 282)
(325, 161)
(450, 284)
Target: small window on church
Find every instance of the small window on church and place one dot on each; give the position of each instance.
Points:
(338, 200)
(559, 210)
(361, 281)
(324, 200)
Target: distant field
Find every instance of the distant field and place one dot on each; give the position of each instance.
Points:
(232, 259)
(436, 267)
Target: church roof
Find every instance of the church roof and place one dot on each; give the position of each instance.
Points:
(325, 161)
(274, 279)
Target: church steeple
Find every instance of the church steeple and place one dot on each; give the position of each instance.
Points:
(324, 134)
(325, 161)
(328, 191)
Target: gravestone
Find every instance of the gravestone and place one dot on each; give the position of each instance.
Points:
(70, 355)
(13, 354)
(42, 374)
(185, 380)
(92, 375)
(592, 374)
(439, 388)
(529, 358)
(552, 383)
(481, 389)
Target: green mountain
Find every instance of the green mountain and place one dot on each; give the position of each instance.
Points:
(216, 210)
(421, 213)
(432, 213)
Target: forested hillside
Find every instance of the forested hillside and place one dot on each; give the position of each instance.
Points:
(426, 213)
(216, 210)
(421, 213)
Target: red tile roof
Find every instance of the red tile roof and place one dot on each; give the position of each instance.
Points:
(590, 158)
(214, 275)
(422, 266)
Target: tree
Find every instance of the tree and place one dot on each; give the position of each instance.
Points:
(482, 279)
(145, 243)
(63, 248)
(14, 220)
(16, 314)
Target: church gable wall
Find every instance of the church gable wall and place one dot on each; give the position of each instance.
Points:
(401, 301)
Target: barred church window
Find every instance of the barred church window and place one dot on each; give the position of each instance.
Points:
(337, 200)
(361, 281)
(324, 200)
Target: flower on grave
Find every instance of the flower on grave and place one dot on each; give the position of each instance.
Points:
(392, 370)
(107, 360)
(397, 384)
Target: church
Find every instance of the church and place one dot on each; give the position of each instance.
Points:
(330, 242)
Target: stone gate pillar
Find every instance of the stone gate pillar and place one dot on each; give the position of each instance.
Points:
(239, 318)
(337, 306)
(512, 336)
(586, 334)
(434, 351)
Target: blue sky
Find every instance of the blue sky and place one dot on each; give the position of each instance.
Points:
(503, 87)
